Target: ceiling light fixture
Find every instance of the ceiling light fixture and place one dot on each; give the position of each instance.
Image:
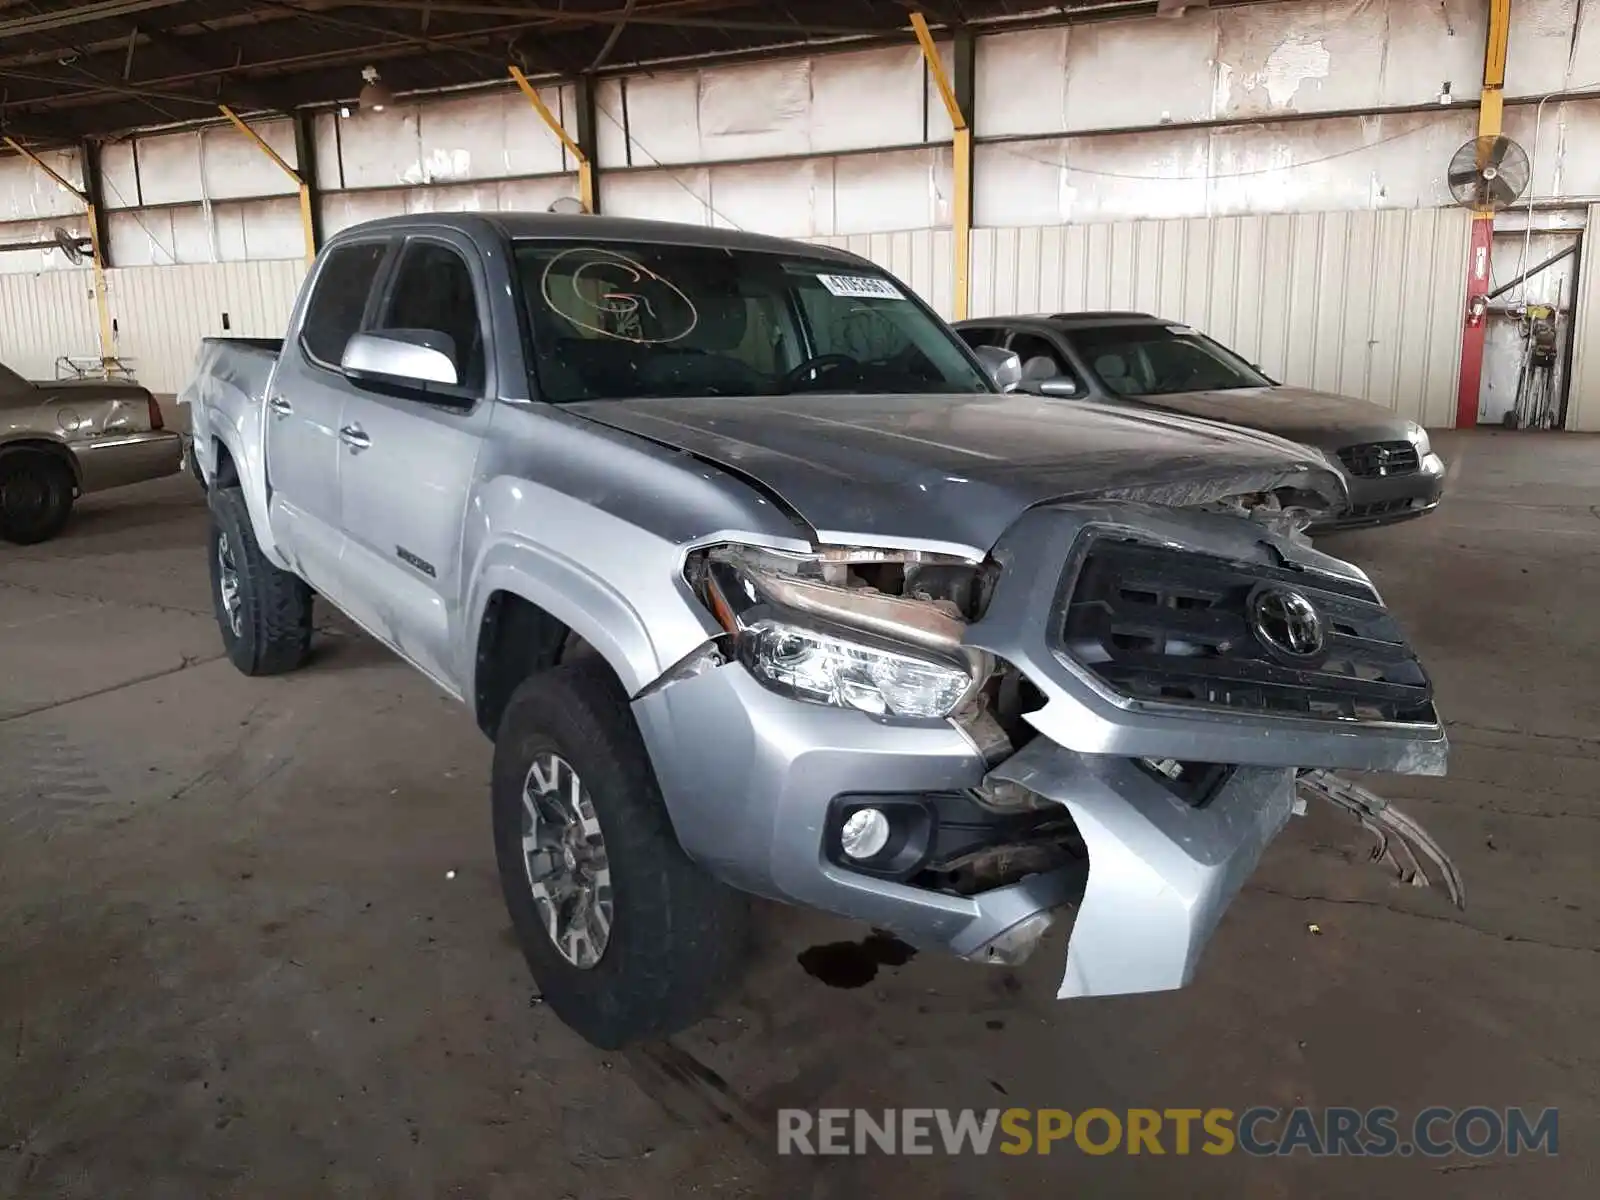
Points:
(375, 96)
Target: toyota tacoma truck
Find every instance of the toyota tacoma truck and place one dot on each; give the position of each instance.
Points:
(761, 580)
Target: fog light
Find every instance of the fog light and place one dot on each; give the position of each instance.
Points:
(865, 832)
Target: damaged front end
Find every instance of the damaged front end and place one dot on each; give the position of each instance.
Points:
(1141, 696)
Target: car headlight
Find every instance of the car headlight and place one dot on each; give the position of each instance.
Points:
(847, 647)
(810, 664)
(1419, 438)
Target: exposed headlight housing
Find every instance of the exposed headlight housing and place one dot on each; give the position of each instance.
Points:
(815, 641)
(1419, 438)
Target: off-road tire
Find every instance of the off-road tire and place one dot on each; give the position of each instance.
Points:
(677, 935)
(42, 474)
(275, 626)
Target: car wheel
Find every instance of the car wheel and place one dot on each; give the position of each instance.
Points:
(626, 937)
(36, 492)
(264, 613)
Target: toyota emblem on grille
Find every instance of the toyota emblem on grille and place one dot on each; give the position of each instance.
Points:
(1287, 623)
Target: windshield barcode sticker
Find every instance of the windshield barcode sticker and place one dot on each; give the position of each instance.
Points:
(862, 287)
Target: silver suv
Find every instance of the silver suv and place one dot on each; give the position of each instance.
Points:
(761, 580)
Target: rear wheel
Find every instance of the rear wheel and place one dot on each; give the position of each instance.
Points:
(264, 613)
(626, 937)
(36, 491)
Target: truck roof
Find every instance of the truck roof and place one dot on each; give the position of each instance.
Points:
(1072, 320)
(606, 229)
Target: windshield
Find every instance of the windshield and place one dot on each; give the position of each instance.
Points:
(1160, 360)
(619, 320)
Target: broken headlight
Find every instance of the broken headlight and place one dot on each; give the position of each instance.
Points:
(816, 640)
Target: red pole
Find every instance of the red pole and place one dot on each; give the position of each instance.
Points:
(1472, 335)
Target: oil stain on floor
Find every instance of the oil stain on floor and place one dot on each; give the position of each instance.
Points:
(855, 964)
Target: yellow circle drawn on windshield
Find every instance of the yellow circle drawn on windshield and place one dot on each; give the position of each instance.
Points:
(610, 296)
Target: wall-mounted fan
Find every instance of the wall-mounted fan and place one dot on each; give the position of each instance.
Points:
(1488, 173)
(70, 244)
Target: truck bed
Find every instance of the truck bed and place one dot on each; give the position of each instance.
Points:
(227, 388)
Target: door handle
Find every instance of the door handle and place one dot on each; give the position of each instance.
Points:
(355, 438)
(280, 407)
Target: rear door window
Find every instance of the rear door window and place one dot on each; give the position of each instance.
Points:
(333, 314)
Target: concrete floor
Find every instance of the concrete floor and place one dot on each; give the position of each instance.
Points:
(251, 942)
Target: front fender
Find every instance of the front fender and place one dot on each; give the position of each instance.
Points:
(617, 586)
(589, 606)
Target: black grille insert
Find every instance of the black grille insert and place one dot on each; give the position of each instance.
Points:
(1372, 460)
(1175, 627)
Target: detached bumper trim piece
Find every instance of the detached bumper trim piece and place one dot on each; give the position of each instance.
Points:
(1161, 873)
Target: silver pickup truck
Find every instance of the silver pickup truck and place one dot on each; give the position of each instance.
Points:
(761, 580)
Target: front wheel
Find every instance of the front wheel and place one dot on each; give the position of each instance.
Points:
(264, 613)
(626, 937)
(36, 492)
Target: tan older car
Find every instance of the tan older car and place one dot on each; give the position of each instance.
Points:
(61, 440)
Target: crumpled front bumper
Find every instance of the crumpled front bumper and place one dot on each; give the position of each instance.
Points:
(750, 778)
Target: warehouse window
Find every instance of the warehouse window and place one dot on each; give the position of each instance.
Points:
(334, 313)
(433, 293)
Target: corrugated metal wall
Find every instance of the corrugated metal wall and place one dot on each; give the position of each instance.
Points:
(1367, 304)
(161, 313)
(923, 258)
(1583, 397)
(1362, 303)
(44, 316)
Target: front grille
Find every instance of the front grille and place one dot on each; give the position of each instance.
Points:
(1377, 508)
(1372, 460)
(1168, 626)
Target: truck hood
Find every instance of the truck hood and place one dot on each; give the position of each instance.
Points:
(959, 469)
(1320, 419)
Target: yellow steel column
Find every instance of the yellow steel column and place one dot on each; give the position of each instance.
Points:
(97, 249)
(585, 167)
(961, 150)
(1494, 68)
(307, 224)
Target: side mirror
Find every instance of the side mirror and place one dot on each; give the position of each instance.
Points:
(401, 357)
(1004, 367)
(1061, 386)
